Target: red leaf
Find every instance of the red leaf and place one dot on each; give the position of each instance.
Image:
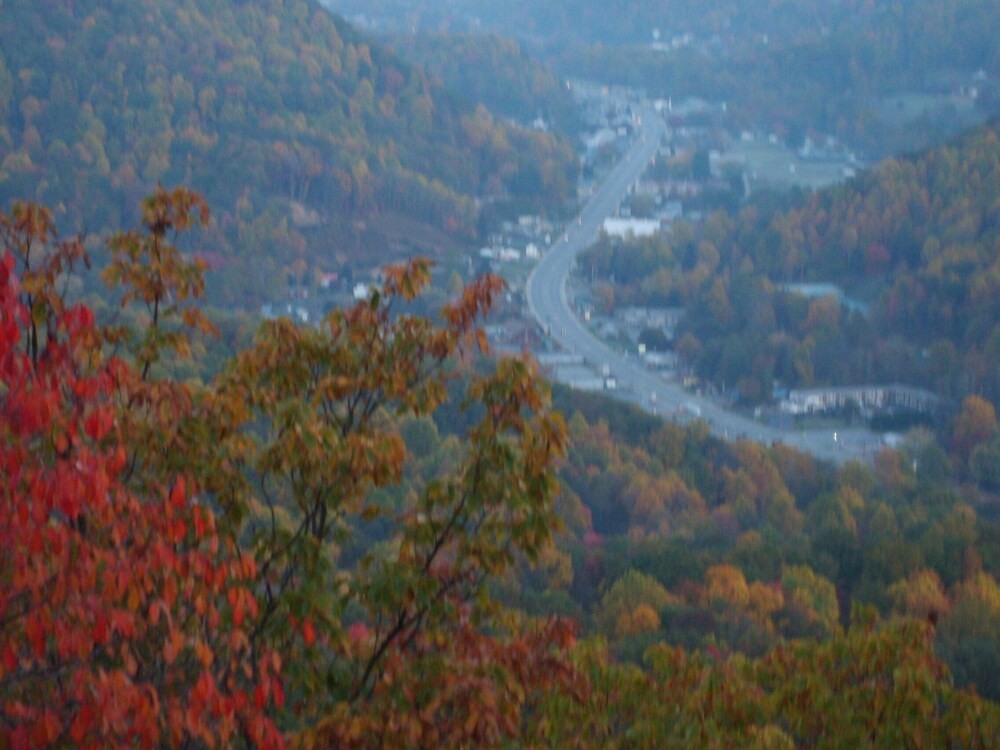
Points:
(100, 629)
(35, 633)
(36, 543)
(177, 495)
(177, 531)
(81, 724)
(279, 693)
(9, 659)
(205, 689)
(117, 461)
(236, 602)
(97, 424)
(199, 524)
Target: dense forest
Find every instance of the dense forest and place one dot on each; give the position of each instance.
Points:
(340, 540)
(847, 69)
(494, 71)
(738, 547)
(313, 143)
(916, 237)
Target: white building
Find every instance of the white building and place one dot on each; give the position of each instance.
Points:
(579, 378)
(870, 399)
(616, 227)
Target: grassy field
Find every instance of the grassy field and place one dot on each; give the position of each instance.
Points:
(904, 108)
(773, 165)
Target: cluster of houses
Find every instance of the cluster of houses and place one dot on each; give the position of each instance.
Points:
(309, 295)
(629, 323)
(520, 240)
(609, 118)
(633, 320)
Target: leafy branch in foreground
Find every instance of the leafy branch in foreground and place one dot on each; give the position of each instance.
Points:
(230, 505)
(123, 615)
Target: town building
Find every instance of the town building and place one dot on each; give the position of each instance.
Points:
(872, 400)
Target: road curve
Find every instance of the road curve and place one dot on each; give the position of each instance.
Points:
(547, 301)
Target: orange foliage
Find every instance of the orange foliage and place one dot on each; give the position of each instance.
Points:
(727, 582)
(642, 619)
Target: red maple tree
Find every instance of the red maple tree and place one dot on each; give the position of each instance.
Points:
(121, 617)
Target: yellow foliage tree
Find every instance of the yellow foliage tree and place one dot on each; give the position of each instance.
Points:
(642, 619)
(727, 582)
(920, 595)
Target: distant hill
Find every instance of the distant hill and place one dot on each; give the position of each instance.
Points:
(495, 71)
(311, 142)
(560, 22)
(787, 66)
(607, 21)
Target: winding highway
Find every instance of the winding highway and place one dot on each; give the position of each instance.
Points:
(548, 303)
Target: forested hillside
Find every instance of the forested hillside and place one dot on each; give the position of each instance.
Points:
(675, 536)
(311, 142)
(494, 71)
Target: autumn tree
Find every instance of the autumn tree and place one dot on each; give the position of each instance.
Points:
(237, 499)
(874, 686)
(304, 431)
(972, 427)
(877, 686)
(968, 635)
(125, 616)
(920, 595)
(810, 602)
(631, 605)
